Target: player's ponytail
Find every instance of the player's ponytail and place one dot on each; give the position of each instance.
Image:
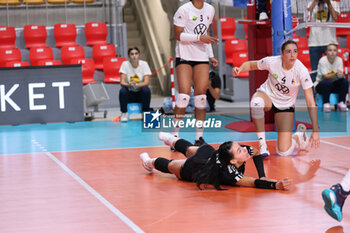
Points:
(210, 171)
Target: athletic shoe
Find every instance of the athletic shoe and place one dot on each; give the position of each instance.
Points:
(326, 107)
(303, 138)
(199, 142)
(263, 150)
(263, 16)
(124, 117)
(334, 198)
(342, 107)
(167, 138)
(145, 157)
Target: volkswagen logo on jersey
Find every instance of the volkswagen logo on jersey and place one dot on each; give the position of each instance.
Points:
(282, 88)
(200, 29)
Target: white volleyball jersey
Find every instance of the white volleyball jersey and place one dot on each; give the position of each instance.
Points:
(194, 21)
(282, 85)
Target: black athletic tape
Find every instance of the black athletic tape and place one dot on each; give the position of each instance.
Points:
(181, 145)
(161, 164)
(264, 184)
(259, 164)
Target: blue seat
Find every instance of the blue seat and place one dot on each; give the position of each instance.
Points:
(333, 100)
(134, 108)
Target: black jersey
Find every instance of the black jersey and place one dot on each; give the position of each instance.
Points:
(229, 174)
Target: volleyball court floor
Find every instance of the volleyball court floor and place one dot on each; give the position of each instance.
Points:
(87, 177)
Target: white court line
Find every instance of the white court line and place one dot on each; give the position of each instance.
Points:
(333, 144)
(119, 214)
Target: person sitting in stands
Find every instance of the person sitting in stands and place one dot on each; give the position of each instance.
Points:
(330, 78)
(134, 79)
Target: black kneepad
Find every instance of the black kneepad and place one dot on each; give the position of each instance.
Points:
(161, 164)
(181, 145)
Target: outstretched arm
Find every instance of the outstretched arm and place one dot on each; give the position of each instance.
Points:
(246, 66)
(310, 102)
(248, 181)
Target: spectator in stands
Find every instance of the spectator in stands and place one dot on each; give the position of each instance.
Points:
(330, 78)
(134, 79)
(321, 11)
(213, 93)
(262, 10)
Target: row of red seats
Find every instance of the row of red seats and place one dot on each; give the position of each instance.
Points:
(104, 58)
(65, 35)
(38, 2)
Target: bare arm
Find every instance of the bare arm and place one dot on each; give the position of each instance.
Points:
(334, 13)
(310, 103)
(246, 66)
(312, 6)
(123, 80)
(215, 92)
(144, 83)
(203, 38)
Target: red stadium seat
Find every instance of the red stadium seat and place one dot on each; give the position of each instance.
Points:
(111, 66)
(228, 27)
(238, 58)
(65, 34)
(17, 63)
(343, 18)
(302, 42)
(40, 54)
(88, 69)
(7, 37)
(232, 46)
(95, 33)
(35, 36)
(304, 57)
(99, 52)
(70, 52)
(9, 55)
(49, 63)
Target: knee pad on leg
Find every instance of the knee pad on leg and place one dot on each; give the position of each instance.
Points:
(161, 164)
(181, 145)
(200, 101)
(257, 105)
(291, 151)
(182, 100)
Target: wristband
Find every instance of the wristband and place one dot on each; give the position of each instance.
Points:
(264, 184)
(187, 37)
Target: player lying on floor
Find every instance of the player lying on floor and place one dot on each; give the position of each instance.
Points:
(207, 166)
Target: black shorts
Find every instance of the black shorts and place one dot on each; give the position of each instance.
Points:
(195, 162)
(180, 61)
(276, 110)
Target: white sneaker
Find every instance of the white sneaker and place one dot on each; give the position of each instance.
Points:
(263, 150)
(124, 117)
(342, 107)
(302, 136)
(145, 157)
(167, 138)
(263, 16)
(327, 107)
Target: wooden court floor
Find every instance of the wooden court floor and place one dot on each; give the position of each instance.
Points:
(109, 191)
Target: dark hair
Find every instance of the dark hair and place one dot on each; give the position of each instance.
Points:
(209, 173)
(333, 45)
(133, 48)
(287, 42)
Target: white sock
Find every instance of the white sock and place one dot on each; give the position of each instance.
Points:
(176, 130)
(261, 137)
(345, 183)
(199, 132)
